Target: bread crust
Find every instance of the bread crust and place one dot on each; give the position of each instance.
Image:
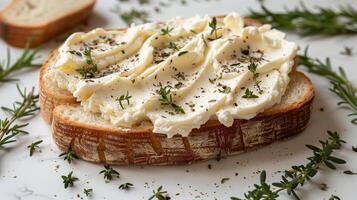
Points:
(19, 35)
(143, 147)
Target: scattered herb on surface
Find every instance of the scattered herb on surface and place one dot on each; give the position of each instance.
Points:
(348, 51)
(20, 109)
(166, 31)
(88, 192)
(32, 147)
(125, 186)
(92, 69)
(132, 15)
(299, 174)
(182, 53)
(223, 180)
(253, 69)
(69, 180)
(25, 61)
(307, 22)
(248, 94)
(109, 172)
(166, 99)
(341, 86)
(68, 156)
(159, 194)
(173, 46)
(123, 97)
(349, 172)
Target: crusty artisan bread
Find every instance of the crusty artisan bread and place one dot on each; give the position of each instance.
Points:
(41, 20)
(96, 140)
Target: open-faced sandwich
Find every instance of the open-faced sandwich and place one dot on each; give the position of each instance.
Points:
(175, 92)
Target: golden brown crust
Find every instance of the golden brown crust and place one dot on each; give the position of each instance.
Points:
(18, 35)
(143, 147)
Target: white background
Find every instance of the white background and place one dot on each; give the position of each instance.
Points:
(37, 177)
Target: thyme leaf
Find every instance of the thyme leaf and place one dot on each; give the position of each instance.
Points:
(32, 147)
(248, 94)
(108, 173)
(321, 21)
(340, 85)
(166, 99)
(68, 156)
(69, 180)
(298, 174)
(123, 97)
(159, 194)
(23, 62)
(20, 109)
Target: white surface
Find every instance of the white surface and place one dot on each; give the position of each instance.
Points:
(36, 178)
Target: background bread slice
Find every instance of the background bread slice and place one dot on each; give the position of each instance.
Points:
(94, 139)
(41, 20)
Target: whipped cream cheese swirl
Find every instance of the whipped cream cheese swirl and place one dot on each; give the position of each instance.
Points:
(176, 75)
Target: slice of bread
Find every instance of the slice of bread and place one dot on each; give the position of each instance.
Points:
(96, 140)
(41, 20)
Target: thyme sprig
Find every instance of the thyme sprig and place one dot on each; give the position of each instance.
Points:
(88, 192)
(123, 97)
(91, 69)
(348, 51)
(341, 86)
(68, 156)
(166, 99)
(33, 146)
(252, 67)
(125, 186)
(321, 21)
(159, 194)
(213, 25)
(166, 31)
(109, 172)
(68, 181)
(20, 109)
(299, 174)
(23, 62)
(248, 94)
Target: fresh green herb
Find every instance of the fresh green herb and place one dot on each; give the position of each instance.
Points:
(348, 51)
(23, 62)
(109, 172)
(253, 68)
(299, 174)
(248, 94)
(341, 86)
(123, 97)
(350, 172)
(92, 68)
(132, 15)
(159, 194)
(322, 21)
(166, 31)
(213, 25)
(68, 156)
(26, 108)
(74, 52)
(173, 46)
(166, 99)
(334, 197)
(126, 186)
(88, 192)
(69, 180)
(143, 1)
(223, 180)
(32, 147)
(182, 53)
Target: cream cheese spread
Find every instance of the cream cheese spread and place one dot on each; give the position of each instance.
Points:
(178, 74)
